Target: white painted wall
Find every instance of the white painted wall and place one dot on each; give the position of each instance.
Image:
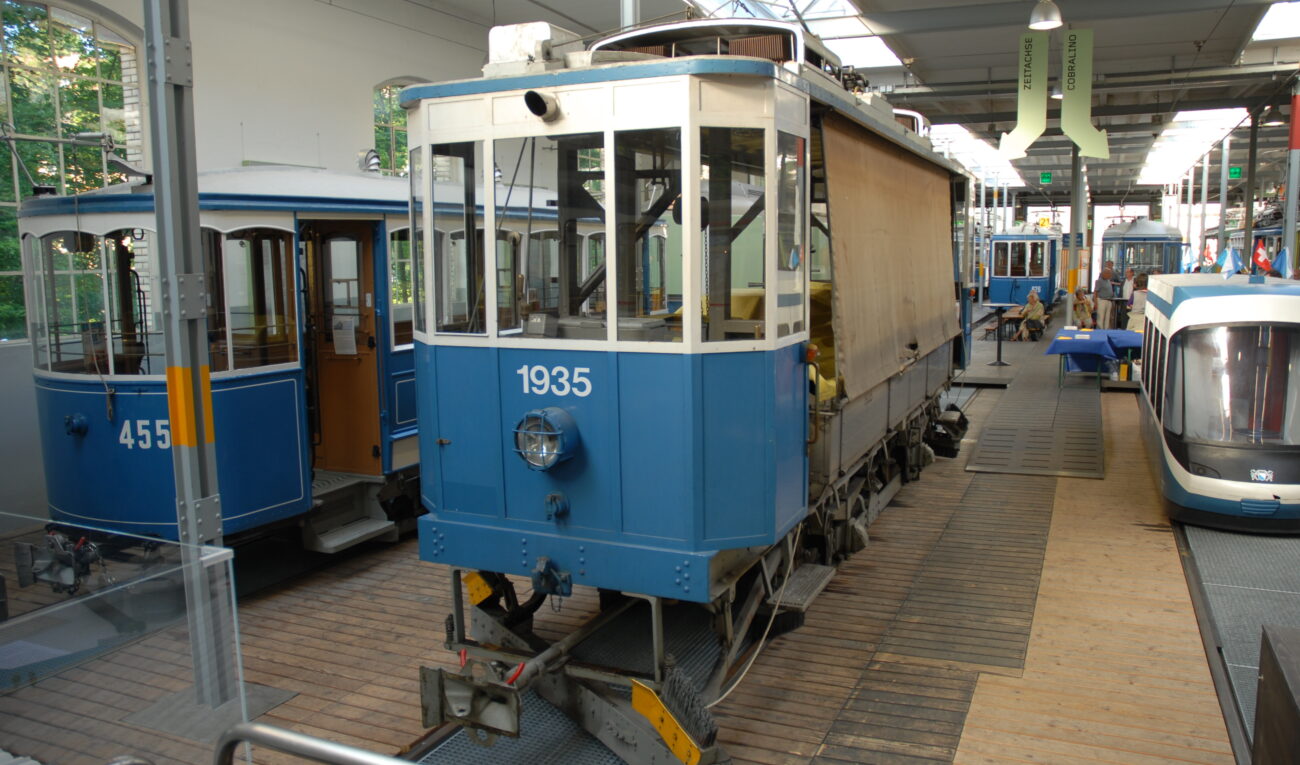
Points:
(291, 81)
(282, 81)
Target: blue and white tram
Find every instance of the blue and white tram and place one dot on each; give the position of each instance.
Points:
(1144, 245)
(1024, 259)
(1221, 399)
(657, 443)
(310, 342)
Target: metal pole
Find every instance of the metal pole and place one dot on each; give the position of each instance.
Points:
(1191, 203)
(1224, 161)
(1205, 201)
(1292, 184)
(1078, 222)
(184, 308)
(984, 237)
(1248, 222)
(629, 13)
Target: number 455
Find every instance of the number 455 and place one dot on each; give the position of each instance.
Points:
(146, 434)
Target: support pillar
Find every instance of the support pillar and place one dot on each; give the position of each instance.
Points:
(1292, 187)
(1248, 221)
(1225, 160)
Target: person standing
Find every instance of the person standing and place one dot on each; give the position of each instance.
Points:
(1103, 293)
(1126, 297)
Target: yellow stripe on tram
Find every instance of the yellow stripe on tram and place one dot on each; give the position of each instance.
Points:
(180, 406)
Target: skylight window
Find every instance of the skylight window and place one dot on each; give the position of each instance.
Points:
(1183, 141)
(976, 155)
(863, 52)
(1280, 22)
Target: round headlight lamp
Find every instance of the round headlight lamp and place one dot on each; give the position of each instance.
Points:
(546, 437)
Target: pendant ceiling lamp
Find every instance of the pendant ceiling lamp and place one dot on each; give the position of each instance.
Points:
(1045, 15)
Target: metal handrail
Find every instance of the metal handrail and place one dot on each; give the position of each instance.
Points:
(298, 744)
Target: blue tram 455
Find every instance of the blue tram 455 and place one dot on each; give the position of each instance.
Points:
(310, 340)
(710, 407)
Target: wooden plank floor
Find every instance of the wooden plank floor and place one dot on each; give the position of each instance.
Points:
(937, 642)
(1115, 671)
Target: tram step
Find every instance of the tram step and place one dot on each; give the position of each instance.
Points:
(353, 533)
(805, 584)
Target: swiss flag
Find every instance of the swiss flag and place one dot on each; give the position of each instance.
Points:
(1261, 256)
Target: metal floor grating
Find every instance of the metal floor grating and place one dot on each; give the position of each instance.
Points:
(1248, 580)
(548, 737)
(1040, 428)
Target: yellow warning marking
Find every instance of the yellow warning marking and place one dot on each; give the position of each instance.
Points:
(209, 429)
(180, 405)
(647, 703)
(479, 589)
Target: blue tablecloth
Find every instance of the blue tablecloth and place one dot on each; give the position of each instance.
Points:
(1084, 349)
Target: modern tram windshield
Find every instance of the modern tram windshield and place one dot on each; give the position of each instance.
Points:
(1238, 384)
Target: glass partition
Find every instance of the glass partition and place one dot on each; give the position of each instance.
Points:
(95, 644)
(648, 247)
(459, 263)
(733, 217)
(790, 255)
(400, 287)
(259, 297)
(417, 250)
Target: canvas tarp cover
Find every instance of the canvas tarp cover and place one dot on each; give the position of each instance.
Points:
(891, 251)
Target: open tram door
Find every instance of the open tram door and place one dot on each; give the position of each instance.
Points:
(343, 384)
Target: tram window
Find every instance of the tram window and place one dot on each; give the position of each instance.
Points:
(219, 344)
(1037, 259)
(458, 266)
(551, 194)
(74, 320)
(1174, 387)
(137, 341)
(1159, 393)
(647, 195)
(1001, 259)
(1241, 386)
(416, 251)
(790, 253)
(733, 183)
(1018, 258)
(594, 263)
(400, 287)
(820, 255)
(259, 293)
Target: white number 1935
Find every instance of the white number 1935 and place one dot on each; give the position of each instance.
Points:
(560, 381)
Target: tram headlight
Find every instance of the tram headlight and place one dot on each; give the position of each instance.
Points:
(546, 437)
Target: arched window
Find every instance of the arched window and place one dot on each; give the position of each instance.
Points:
(390, 126)
(65, 74)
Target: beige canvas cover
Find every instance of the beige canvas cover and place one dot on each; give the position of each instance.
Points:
(891, 254)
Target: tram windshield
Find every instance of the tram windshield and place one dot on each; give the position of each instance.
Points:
(1238, 384)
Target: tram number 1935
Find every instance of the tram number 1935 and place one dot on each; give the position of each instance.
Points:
(558, 381)
(145, 434)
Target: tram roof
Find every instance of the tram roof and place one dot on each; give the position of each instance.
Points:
(270, 187)
(1167, 291)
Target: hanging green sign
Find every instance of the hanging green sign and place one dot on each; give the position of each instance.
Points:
(1234, 172)
(1044, 178)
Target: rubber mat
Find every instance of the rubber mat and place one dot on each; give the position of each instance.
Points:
(1247, 581)
(1042, 428)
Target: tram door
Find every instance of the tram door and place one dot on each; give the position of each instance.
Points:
(343, 377)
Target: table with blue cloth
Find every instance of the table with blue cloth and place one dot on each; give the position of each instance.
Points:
(1082, 350)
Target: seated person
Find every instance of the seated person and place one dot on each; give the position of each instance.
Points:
(1031, 323)
(1138, 306)
(1082, 308)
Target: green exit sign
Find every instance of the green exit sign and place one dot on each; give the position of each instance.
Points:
(1044, 178)
(1234, 172)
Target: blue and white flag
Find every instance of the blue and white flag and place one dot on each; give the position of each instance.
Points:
(1189, 259)
(1283, 264)
(1231, 263)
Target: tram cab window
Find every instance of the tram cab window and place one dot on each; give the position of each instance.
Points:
(92, 303)
(1037, 259)
(648, 245)
(594, 263)
(1001, 258)
(261, 311)
(459, 264)
(1018, 259)
(1241, 385)
(550, 195)
(734, 220)
(790, 252)
(400, 284)
(416, 251)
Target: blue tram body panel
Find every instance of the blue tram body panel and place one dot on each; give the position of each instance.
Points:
(123, 480)
(646, 498)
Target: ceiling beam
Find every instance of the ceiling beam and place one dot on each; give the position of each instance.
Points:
(1186, 78)
(963, 18)
(1117, 110)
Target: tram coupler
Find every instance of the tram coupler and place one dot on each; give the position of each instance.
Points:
(472, 700)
